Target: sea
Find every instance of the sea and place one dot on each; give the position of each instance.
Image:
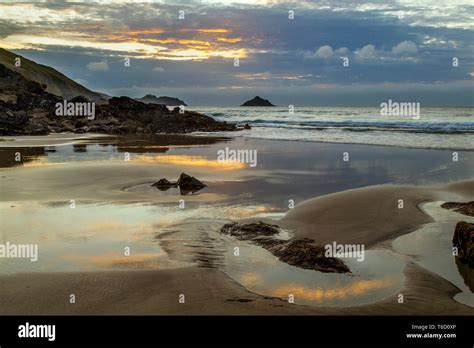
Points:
(436, 128)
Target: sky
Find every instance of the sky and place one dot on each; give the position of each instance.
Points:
(320, 53)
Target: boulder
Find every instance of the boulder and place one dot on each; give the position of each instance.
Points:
(463, 240)
(305, 254)
(164, 183)
(187, 182)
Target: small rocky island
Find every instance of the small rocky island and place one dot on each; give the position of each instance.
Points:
(257, 101)
(163, 100)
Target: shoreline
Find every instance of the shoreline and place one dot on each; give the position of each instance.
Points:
(79, 137)
(343, 143)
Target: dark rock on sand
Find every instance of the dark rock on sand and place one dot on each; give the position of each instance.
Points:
(186, 183)
(164, 184)
(302, 253)
(305, 254)
(257, 101)
(189, 184)
(462, 208)
(463, 240)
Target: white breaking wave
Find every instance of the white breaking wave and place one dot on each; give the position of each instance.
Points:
(439, 128)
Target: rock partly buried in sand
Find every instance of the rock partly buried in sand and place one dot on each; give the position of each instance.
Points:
(463, 240)
(249, 231)
(302, 253)
(462, 208)
(189, 183)
(186, 183)
(305, 254)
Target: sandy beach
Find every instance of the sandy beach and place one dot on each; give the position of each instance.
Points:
(207, 292)
(368, 215)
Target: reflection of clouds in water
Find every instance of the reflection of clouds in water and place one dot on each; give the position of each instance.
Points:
(182, 218)
(357, 288)
(39, 162)
(113, 228)
(250, 278)
(239, 212)
(195, 161)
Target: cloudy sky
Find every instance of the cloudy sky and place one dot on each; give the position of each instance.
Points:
(402, 49)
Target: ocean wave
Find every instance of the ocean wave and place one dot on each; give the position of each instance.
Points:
(438, 128)
(357, 126)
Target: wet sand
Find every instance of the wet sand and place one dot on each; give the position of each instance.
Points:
(47, 140)
(210, 291)
(207, 291)
(368, 215)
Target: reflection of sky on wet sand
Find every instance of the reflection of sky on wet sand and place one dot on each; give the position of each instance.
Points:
(88, 237)
(114, 260)
(93, 236)
(358, 287)
(379, 276)
(432, 246)
(317, 168)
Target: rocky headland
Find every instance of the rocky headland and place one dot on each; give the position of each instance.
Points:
(27, 108)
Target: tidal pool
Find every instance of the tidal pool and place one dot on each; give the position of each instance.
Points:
(432, 249)
(377, 277)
